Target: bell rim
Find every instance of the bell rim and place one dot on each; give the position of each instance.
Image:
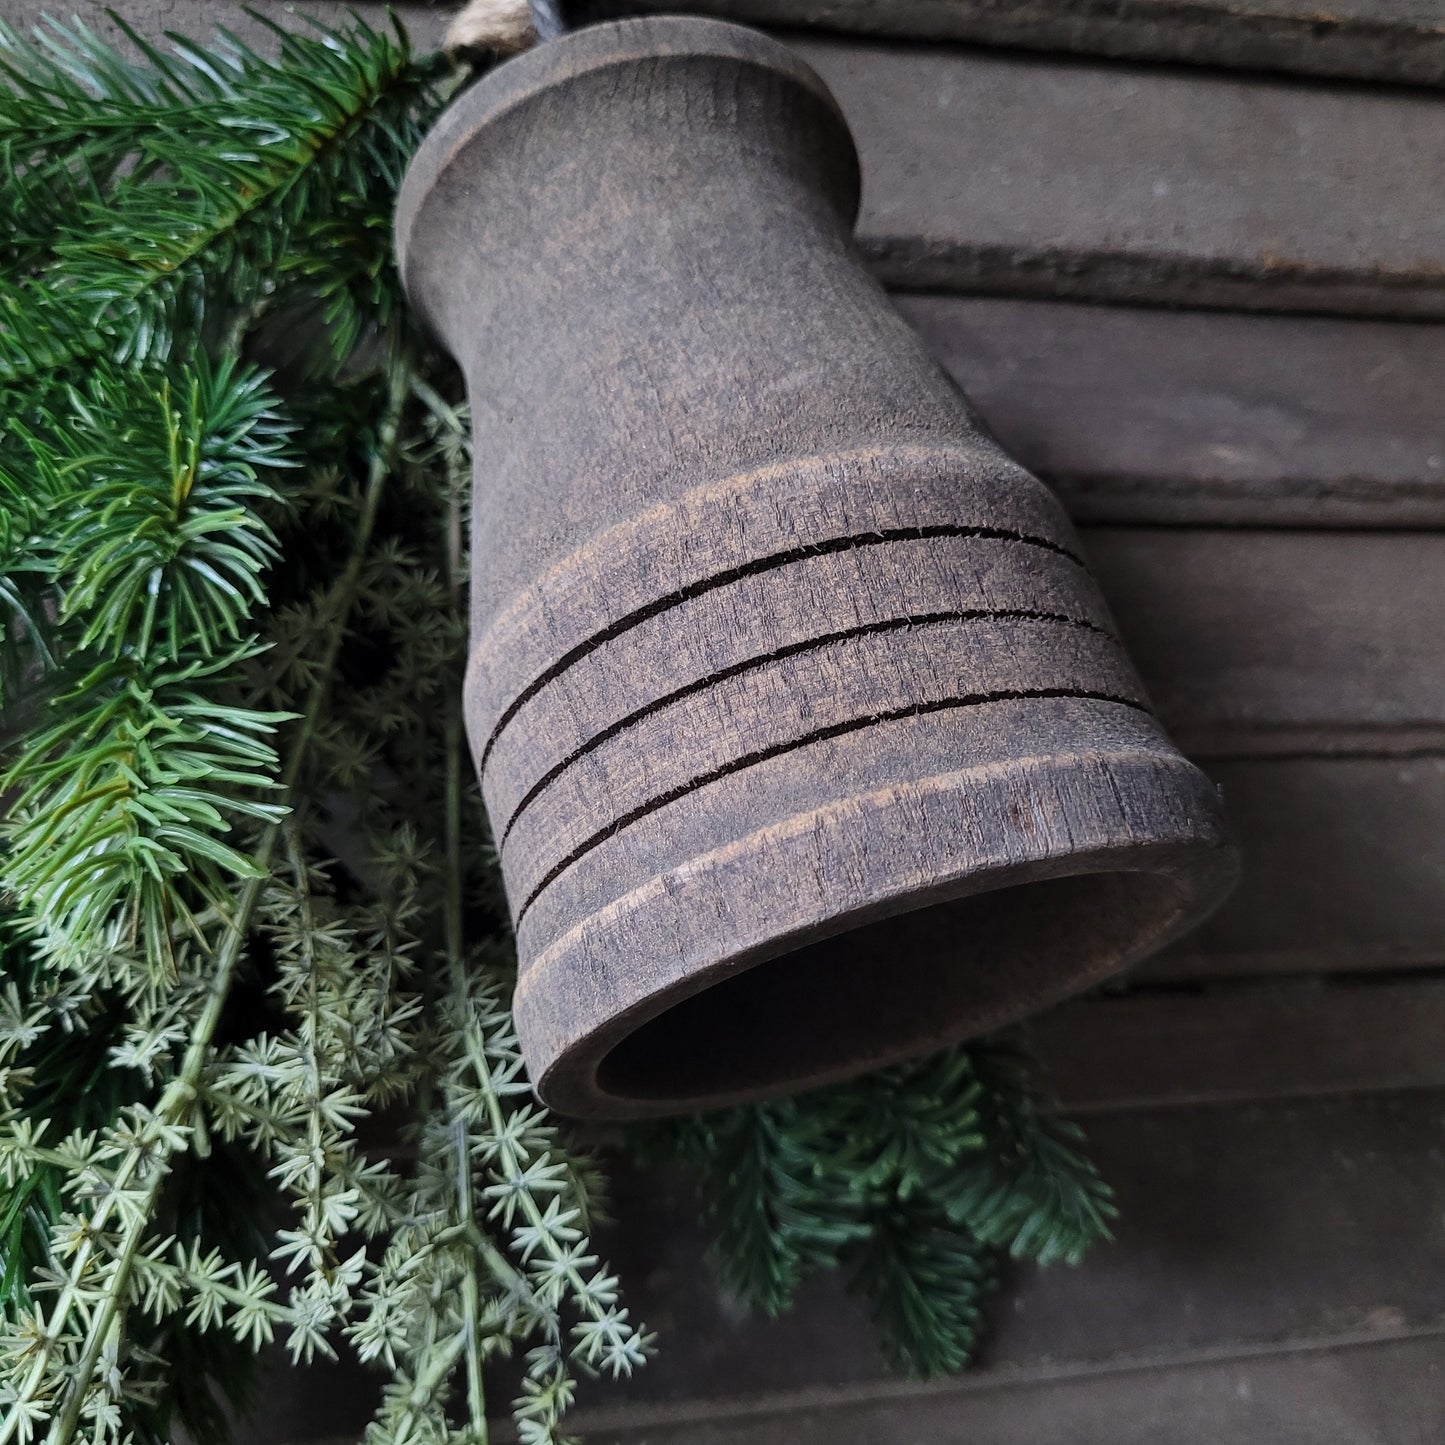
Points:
(1197, 859)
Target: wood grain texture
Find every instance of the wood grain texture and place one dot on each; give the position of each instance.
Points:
(878, 594)
(1140, 415)
(823, 695)
(1254, 643)
(1399, 41)
(1383, 40)
(1366, 1393)
(1032, 176)
(1343, 871)
(876, 715)
(1369, 1392)
(1298, 1038)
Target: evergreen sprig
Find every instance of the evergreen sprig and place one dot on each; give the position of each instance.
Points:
(145, 532)
(136, 238)
(911, 1181)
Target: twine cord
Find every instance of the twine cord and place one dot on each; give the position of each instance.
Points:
(546, 19)
(505, 27)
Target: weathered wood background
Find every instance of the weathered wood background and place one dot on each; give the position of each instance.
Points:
(1188, 258)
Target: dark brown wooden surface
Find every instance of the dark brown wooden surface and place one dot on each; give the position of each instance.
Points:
(1139, 414)
(1343, 871)
(780, 669)
(986, 171)
(1387, 40)
(1346, 1392)
(1276, 642)
(1351, 1394)
(1275, 1039)
(1384, 40)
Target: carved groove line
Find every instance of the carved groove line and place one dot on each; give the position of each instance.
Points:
(752, 569)
(889, 624)
(835, 730)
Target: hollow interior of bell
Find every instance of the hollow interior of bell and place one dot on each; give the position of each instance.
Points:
(894, 987)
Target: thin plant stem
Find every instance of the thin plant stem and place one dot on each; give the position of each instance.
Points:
(453, 936)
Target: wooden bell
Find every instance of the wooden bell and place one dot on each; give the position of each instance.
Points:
(804, 732)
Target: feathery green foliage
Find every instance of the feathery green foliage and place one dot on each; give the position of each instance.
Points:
(133, 240)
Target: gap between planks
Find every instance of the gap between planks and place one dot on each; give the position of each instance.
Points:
(1305, 1038)
(729, 1409)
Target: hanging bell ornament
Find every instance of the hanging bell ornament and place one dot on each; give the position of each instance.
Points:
(805, 736)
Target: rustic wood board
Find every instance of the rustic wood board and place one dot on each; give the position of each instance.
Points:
(1325, 1232)
(1383, 40)
(1364, 39)
(1364, 1394)
(1343, 870)
(1328, 1222)
(1370, 1392)
(996, 172)
(197, 18)
(1139, 414)
(1254, 643)
(1290, 1039)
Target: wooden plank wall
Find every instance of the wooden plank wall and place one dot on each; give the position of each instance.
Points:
(1027, 175)
(1164, 415)
(1377, 40)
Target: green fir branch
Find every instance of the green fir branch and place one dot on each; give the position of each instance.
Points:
(1032, 1190)
(926, 1286)
(910, 1181)
(229, 153)
(153, 547)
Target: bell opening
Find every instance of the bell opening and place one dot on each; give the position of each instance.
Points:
(893, 988)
